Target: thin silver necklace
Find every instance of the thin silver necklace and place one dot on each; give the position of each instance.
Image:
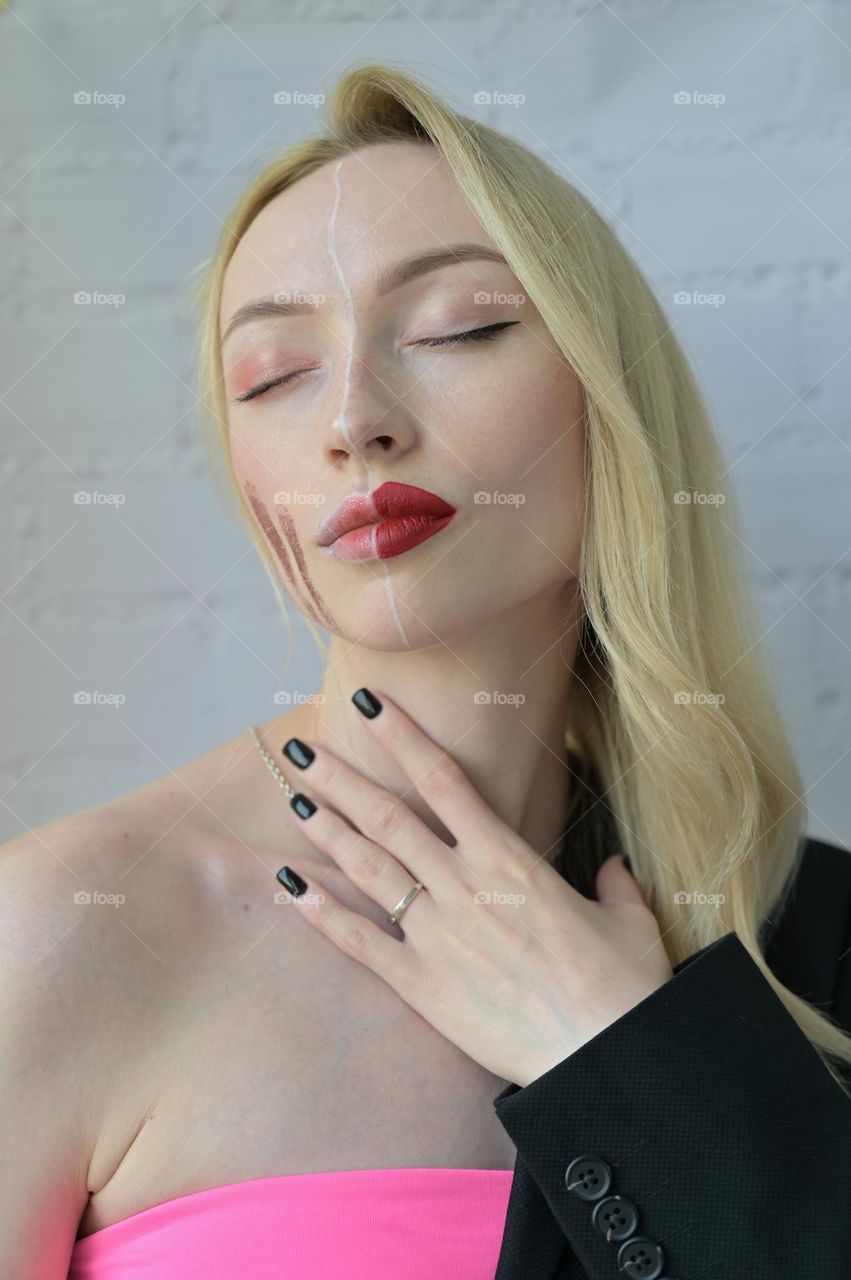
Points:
(290, 791)
(272, 767)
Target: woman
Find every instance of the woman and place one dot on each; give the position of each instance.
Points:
(462, 436)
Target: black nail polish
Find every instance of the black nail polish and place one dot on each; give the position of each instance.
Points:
(366, 703)
(303, 807)
(299, 752)
(292, 881)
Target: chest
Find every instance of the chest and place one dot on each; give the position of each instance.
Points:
(294, 1058)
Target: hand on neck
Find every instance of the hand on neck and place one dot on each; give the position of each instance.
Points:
(496, 703)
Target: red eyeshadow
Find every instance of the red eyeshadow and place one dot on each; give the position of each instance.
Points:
(250, 370)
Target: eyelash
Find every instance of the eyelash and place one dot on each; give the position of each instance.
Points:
(485, 334)
(474, 335)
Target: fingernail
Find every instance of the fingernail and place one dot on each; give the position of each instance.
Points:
(627, 863)
(299, 752)
(303, 807)
(292, 881)
(366, 703)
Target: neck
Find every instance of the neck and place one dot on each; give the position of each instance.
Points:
(511, 747)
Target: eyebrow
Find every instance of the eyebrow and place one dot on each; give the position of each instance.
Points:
(389, 279)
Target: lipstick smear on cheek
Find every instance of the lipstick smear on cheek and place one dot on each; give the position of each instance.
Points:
(319, 614)
(286, 522)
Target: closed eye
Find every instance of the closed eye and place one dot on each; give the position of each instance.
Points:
(469, 335)
(484, 334)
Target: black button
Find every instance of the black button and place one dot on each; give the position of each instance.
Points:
(615, 1217)
(641, 1258)
(588, 1177)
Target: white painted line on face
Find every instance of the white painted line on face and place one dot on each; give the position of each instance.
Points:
(389, 585)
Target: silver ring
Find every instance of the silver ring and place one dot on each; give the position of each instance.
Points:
(404, 903)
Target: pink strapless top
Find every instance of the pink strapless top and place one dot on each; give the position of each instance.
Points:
(354, 1224)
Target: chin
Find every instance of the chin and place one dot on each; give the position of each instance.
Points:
(387, 621)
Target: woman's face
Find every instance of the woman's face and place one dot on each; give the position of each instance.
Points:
(359, 393)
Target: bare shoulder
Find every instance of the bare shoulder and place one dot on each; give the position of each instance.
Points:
(38, 865)
(105, 914)
(71, 889)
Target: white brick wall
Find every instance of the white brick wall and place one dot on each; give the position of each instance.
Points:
(159, 600)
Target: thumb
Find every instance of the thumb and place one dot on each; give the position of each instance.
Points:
(615, 883)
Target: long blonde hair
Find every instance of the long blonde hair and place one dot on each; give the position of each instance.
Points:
(671, 698)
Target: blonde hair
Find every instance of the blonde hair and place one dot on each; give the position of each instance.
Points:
(671, 700)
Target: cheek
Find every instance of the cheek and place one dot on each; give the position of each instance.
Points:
(525, 433)
(267, 459)
(554, 471)
(554, 441)
(524, 444)
(257, 454)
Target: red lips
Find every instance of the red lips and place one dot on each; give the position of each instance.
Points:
(390, 501)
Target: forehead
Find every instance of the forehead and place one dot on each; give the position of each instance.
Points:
(376, 205)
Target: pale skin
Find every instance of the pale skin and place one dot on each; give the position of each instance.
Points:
(490, 604)
(518, 981)
(515, 1018)
(203, 1034)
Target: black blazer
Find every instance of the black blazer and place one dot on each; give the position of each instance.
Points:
(701, 1130)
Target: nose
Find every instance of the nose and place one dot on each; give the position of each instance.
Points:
(368, 418)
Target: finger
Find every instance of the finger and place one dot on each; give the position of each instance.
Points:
(434, 773)
(352, 933)
(374, 870)
(381, 817)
